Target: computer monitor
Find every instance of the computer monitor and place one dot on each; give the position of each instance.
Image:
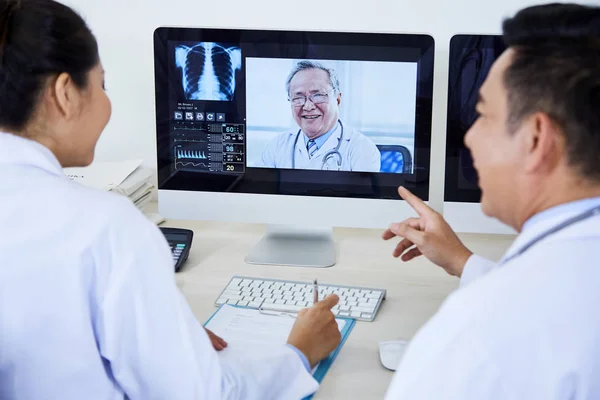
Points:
(471, 57)
(302, 131)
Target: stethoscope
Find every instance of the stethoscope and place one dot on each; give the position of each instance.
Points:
(335, 153)
(580, 217)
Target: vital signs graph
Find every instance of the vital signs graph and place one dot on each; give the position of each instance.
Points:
(209, 147)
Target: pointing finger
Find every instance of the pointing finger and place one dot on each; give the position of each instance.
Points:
(406, 231)
(329, 302)
(414, 222)
(416, 203)
(388, 234)
(412, 253)
(402, 247)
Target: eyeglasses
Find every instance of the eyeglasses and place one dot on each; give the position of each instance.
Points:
(316, 98)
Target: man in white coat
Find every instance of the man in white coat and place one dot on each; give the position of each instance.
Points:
(323, 141)
(527, 327)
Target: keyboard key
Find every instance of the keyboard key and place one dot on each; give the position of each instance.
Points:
(355, 302)
(363, 309)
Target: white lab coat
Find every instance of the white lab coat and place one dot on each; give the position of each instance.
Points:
(528, 329)
(89, 307)
(358, 153)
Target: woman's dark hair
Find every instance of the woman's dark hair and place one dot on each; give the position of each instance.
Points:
(39, 39)
(556, 70)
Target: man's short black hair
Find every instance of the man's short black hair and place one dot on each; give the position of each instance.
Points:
(556, 70)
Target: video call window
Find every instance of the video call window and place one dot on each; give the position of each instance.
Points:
(352, 110)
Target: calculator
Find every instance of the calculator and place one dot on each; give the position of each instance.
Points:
(180, 241)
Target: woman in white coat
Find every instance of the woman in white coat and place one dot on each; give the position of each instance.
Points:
(89, 307)
(527, 327)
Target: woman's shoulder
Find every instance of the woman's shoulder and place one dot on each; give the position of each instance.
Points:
(101, 207)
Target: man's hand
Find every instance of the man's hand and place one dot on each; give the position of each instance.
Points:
(218, 343)
(315, 332)
(430, 235)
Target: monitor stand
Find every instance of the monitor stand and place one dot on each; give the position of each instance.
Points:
(294, 247)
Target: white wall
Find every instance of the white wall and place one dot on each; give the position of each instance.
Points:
(124, 31)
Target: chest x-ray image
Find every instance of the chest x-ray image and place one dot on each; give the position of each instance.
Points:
(208, 70)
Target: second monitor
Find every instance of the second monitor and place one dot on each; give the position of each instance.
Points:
(471, 58)
(314, 129)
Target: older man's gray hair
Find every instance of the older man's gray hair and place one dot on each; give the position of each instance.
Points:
(304, 65)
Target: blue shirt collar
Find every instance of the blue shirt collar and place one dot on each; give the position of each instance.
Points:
(547, 220)
(573, 207)
(320, 141)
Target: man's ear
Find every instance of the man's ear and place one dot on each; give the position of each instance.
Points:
(543, 143)
(339, 98)
(65, 95)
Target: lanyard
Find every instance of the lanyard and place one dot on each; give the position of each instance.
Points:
(580, 217)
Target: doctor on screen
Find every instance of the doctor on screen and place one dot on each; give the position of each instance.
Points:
(322, 141)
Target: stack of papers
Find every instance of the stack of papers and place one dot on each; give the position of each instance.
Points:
(252, 333)
(128, 178)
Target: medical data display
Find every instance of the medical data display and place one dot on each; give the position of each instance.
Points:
(239, 102)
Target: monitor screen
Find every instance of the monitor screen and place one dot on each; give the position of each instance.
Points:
(471, 57)
(287, 112)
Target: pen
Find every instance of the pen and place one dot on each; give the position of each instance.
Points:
(315, 292)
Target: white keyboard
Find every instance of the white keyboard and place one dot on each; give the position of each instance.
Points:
(359, 303)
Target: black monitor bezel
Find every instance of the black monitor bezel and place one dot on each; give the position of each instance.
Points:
(294, 182)
(456, 151)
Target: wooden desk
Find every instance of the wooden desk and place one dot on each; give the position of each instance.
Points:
(415, 290)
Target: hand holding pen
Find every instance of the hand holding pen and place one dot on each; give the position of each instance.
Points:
(315, 332)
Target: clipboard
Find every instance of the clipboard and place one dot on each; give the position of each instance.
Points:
(323, 366)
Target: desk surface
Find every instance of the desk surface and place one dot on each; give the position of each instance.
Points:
(415, 290)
